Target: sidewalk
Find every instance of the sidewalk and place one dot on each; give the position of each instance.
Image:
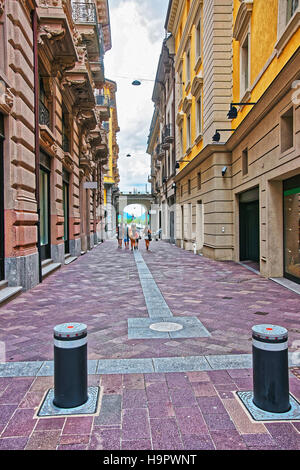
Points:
(160, 389)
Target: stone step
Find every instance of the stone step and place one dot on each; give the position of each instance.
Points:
(70, 259)
(83, 253)
(3, 284)
(46, 262)
(67, 255)
(50, 268)
(9, 293)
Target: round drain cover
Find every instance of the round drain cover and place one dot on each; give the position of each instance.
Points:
(166, 326)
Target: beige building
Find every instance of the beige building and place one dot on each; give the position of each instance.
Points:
(238, 186)
(53, 145)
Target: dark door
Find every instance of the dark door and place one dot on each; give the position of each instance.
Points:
(172, 226)
(291, 224)
(66, 210)
(2, 273)
(45, 213)
(249, 231)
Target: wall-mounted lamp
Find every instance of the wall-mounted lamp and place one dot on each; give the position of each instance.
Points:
(224, 169)
(177, 166)
(174, 186)
(232, 113)
(216, 136)
(128, 155)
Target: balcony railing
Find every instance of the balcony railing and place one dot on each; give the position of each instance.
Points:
(84, 13)
(44, 114)
(103, 100)
(168, 134)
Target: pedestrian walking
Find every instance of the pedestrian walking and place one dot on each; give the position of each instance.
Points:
(120, 230)
(147, 236)
(132, 235)
(126, 236)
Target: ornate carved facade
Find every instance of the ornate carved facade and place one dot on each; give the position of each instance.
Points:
(54, 147)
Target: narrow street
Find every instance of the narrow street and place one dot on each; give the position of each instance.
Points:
(171, 387)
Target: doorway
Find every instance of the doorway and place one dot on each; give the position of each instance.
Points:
(249, 227)
(2, 249)
(291, 224)
(66, 179)
(45, 237)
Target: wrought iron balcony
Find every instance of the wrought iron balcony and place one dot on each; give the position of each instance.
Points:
(160, 152)
(44, 114)
(103, 100)
(84, 13)
(168, 134)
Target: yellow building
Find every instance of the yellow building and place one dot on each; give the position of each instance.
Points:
(238, 188)
(111, 176)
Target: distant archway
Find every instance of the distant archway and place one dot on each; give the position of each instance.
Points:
(135, 213)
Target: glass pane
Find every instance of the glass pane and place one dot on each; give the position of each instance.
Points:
(292, 231)
(44, 212)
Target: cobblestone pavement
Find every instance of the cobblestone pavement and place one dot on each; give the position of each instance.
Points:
(179, 411)
(103, 290)
(187, 399)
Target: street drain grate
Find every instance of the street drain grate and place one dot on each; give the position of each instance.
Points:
(227, 298)
(261, 313)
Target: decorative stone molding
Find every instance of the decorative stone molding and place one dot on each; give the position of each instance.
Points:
(68, 162)
(2, 5)
(187, 103)
(6, 98)
(197, 83)
(52, 34)
(242, 19)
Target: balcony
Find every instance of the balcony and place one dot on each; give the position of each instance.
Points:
(160, 152)
(56, 32)
(85, 18)
(103, 107)
(168, 134)
(44, 115)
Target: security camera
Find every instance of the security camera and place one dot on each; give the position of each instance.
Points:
(224, 170)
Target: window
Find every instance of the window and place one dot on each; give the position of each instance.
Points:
(188, 131)
(245, 162)
(181, 141)
(199, 180)
(287, 130)
(292, 6)
(188, 67)
(189, 186)
(245, 75)
(198, 39)
(199, 116)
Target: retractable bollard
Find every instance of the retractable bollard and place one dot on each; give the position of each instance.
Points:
(70, 365)
(270, 368)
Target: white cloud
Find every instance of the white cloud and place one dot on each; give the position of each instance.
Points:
(137, 28)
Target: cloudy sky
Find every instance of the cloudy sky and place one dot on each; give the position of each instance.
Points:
(137, 29)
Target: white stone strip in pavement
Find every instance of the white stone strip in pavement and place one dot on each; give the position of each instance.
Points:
(131, 366)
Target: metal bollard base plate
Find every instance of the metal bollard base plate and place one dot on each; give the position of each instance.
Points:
(90, 407)
(260, 415)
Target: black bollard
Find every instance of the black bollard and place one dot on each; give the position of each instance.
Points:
(270, 368)
(70, 365)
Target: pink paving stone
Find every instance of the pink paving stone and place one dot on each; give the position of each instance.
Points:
(69, 447)
(154, 377)
(43, 440)
(210, 405)
(13, 443)
(190, 421)
(157, 391)
(74, 439)
(165, 434)
(134, 399)
(111, 383)
(138, 444)
(219, 377)
(228, 440)
(50, 424)
(258, 440)
(133, 381)
(183, 397)
(6, 412)
(198, 443)
(160, 410)
(105, 438)
(196, 376)
(21, 424)
(203, 389)
(177, 380)
(15, 391)
(78, 425)
(285, 435)
(135, 424)
(218, 422)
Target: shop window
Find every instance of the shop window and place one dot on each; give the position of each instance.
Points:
(287, 130)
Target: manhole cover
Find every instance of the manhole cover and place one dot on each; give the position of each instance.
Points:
(166, 326)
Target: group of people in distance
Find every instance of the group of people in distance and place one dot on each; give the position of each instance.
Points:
(130, 234)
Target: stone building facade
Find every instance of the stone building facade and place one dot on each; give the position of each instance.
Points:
(237, 131)
(53, 143)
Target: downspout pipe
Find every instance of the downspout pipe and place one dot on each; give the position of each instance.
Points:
(37, 135)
